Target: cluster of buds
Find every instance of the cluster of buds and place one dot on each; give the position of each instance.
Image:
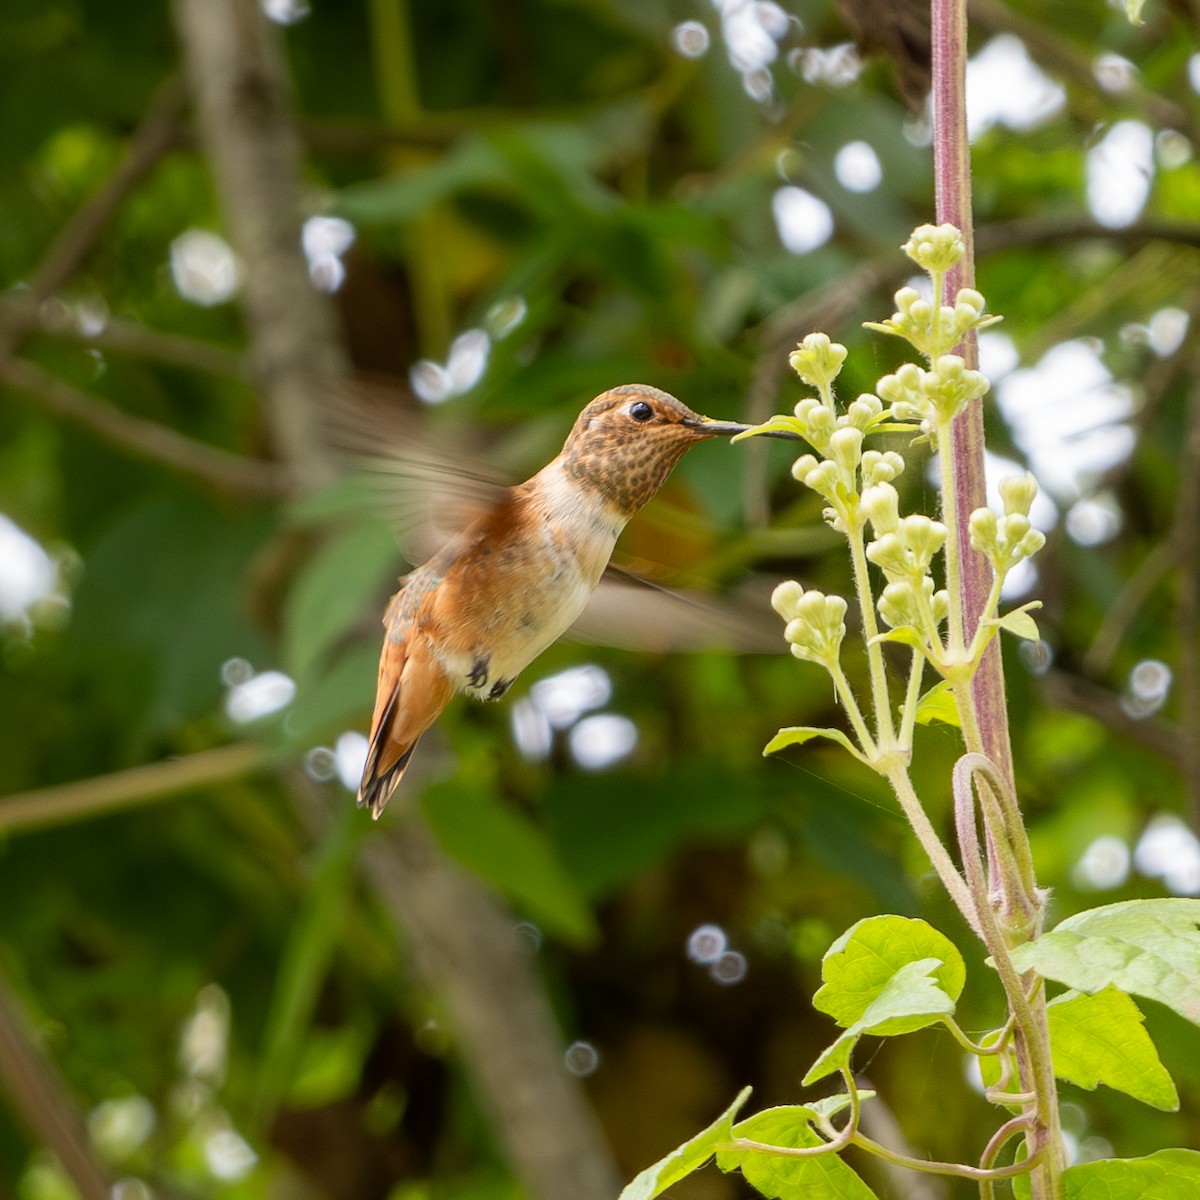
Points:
(933, 331)
(934, 397)
(1006, 540)
(816, 623)
(904, 548)
(935, 248)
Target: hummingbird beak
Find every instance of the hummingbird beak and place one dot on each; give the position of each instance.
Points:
(710, 428)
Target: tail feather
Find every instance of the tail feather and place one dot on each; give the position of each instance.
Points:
(413, 689)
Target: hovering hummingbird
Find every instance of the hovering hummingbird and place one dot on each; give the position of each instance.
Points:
(496, 595)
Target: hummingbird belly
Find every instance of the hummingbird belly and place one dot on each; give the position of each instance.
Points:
(518, 598)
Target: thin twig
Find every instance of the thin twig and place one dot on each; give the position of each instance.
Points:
(128, 337)
(44, 1102)
(145, 439)
(127, 789)
(1125, 608)
(152, 139)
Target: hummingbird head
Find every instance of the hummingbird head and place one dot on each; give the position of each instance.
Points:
(626, 441)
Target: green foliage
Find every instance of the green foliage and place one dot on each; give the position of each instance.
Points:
(1100, 1039)
(1147, 947)
(824, 1176)
(1166, 1175)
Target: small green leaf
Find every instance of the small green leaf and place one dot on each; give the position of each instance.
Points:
(1148, 947)
(1100, 1039)
(819, 1177)
(939, 704)
(771, 425)
(797, 735)
(1133, 10)
(861, 964)
(910, 999)
(1166, 1175)
(907, 635)
(1019, 622)
(828, 1107)
(694, 1153)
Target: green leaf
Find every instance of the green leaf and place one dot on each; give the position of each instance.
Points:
(772, 424)
(1019, 622)
(906, 635)
(819, 1177)
(911, 998)
(694, 1153)
(1167, 1175)
(511, 853)
(1133, 10)
(1101, 1039)
(797, 735)
(1148, 947)
(939, 704)
(859, 967)
(332, 591)
(828, 1107)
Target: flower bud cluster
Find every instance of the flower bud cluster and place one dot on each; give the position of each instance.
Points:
(934, 330)
(816, 623)
(817, 360)
(903, 549)
(1006, 540)
(934, 397)
(935, 248)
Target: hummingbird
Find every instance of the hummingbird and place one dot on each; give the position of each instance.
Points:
(478, 612)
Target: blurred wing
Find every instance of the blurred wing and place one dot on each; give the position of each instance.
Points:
(631, 614)
(424, 490)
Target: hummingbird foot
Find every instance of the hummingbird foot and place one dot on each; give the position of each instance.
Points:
(479, 672)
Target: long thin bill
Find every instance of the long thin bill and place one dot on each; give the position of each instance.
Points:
(730, 428)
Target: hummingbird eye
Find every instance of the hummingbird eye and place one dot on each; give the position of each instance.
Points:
(641, 411)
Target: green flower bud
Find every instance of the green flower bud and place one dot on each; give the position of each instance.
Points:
(823, 479)
(861, 412)
(880, 468)
(785, 597)
(802, 466)
(983, 527)
(1018, 492)
(898, 604)
(817, 360)
(819, 627)
(939, 603)
(889, 554)
(1031, 543)
(935, 248)
(949, 387)
(923, 537)
(881, 506)
(845, 448)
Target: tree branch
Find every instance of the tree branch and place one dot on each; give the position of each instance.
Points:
(142, 438)
(41, 1098)
(125, 789)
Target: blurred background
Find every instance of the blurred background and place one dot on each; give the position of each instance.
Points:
(271, 272)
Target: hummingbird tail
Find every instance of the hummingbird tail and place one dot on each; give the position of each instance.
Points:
(413, 690)
(375, 790)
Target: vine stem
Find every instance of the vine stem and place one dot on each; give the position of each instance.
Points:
(984, 713)
(878, 670)
(937, 853)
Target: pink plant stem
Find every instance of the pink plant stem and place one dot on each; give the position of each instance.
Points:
(952, 190)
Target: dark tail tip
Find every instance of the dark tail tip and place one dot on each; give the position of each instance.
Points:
(375, 790)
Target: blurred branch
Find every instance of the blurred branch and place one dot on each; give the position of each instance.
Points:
(879, 1123)
(1061, 56)
(145, 439)
(41, 1098)
(1121, 614)
(127, 337)
(452, 927)
(152, 139)
(125, 789)
(466, 946)
(1028, 232)
(1064, 689)
(1186, 541)
(242, 99)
